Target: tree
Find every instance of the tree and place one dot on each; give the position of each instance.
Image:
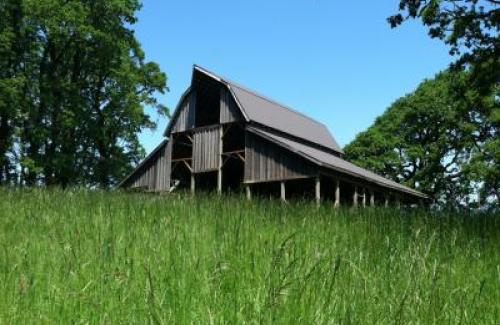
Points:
(85, 88)
(436, 141)
(471, 29)
(12, 83)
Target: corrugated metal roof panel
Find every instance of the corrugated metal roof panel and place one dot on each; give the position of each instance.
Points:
(328, 160)
(265, 111)
(269, 113)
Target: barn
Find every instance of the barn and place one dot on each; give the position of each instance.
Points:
(224, 137)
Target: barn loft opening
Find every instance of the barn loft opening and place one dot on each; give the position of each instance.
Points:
(207, 100)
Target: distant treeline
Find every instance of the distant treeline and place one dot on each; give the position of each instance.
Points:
(74, 85)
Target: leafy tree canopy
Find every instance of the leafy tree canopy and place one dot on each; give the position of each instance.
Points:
(441, 139)
(74, 88)
(471, 29)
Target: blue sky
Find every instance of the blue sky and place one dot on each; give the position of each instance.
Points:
(336, 61)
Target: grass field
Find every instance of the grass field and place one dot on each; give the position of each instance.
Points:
(99, 257)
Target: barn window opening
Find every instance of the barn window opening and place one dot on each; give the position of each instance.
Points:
(207, 100)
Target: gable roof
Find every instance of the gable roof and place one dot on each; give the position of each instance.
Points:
(262, 110)
(327, 160)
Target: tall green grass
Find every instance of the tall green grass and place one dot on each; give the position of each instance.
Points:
(109, 257)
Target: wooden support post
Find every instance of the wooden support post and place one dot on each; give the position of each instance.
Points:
(318, 190)
(364, 197)
(219, 172)
(219, 181)
(386, 203)
(397, 201)
(355, 197)
(282, 191)
(337, 194)
(248, 191)
(193, 183)
(372, 198)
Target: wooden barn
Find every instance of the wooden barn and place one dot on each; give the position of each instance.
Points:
(225, 137)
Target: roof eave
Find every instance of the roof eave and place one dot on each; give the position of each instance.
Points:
(336, 168)
(176, 112)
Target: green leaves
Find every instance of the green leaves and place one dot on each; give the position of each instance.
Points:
(469, 27)
(84, 90)
(440, 139)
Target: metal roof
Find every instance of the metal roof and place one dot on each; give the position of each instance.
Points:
(262, 110)
(269, 113)
(328, 160)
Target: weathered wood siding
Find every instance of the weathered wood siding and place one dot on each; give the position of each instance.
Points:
(154, 173)
(206, 149)
(163, 168)
(265, 161)
(229, 110)
(186, 118)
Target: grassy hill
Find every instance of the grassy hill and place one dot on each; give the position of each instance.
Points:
(101, 257)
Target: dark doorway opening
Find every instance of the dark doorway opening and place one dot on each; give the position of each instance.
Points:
(267, 190)
(232, 173)
(180, 175)
(300, 189)
(347, 194)
(206, 182)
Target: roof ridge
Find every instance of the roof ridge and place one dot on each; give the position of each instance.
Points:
(255, 93)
